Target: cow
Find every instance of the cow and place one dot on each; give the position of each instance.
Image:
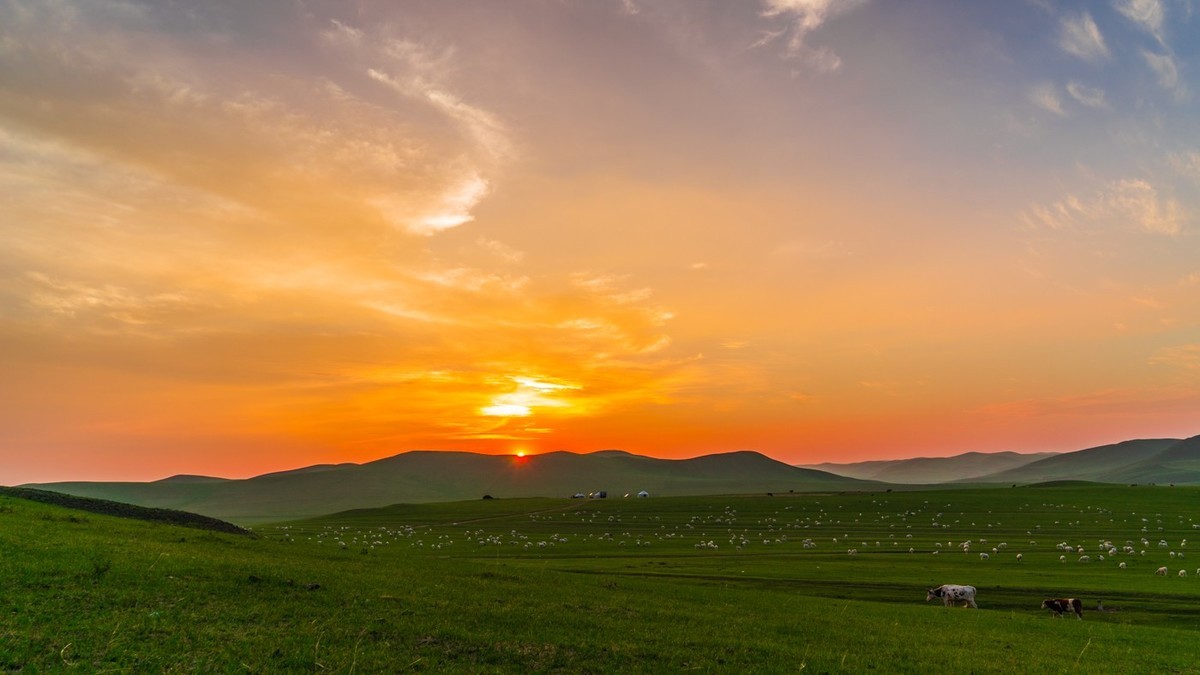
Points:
(953, 593)
(1060, 605)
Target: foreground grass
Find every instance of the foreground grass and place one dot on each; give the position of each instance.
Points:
(588, 586)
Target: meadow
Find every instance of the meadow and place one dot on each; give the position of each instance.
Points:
(785, 583)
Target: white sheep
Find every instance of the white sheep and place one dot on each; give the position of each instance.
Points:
(983, 556)
(1019, 557)
(1122, 566)
(1162, 572)
(1183, 573)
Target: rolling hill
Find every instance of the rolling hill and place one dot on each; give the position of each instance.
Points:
(928, 470)
(1160, 460)
(435, 476)
(122, 510)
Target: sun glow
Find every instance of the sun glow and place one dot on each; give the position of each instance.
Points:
(506, 410)
(529, 393)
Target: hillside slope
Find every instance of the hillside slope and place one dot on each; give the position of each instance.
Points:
(122, 510)
(927, 470)
(1130, 461)
(434, 476)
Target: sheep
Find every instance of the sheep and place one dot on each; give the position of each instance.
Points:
(1162, 572)
(1019, 556)
(1085, 559)
(1122, 566)
(983, 556)
(1183, 573)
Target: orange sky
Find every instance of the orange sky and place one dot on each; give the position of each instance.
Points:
(237, 239)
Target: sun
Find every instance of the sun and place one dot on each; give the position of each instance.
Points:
(520, 453)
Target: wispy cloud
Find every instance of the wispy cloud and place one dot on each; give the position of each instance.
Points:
(1131, 401)
(1186, 164)
(1186, 357)
(1092, 97)
(1124, 202)
(1164, 67)
(804, 17)
(230, 215)
(1148, 14)
(1045, 96)
(1080, 36)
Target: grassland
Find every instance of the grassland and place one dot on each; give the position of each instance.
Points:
(620, 584)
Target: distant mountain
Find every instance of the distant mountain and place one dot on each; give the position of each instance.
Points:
(1160, 460)
(928, 470)
(431, 476)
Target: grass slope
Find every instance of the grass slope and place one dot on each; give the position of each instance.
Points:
(122, 510)
(1131, 461)
(557, 585)
(927, 470)
(452, 476)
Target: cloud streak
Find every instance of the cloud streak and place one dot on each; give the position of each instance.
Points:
(804, 17)
(1119, 204)
(1147, 14)
(1080, 36)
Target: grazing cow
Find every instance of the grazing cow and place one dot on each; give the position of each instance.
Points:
(953, 593)
(1162, 571)
(1060, 605)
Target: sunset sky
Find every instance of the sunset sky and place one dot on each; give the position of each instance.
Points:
(239, 237)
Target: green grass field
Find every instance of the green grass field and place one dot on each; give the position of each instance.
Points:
(617, 584)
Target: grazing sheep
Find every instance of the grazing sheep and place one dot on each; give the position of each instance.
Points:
(1084, 559)
(983, 556)
(1019, 557)
(1122, 565)
(1183, 573)
(1162, 572)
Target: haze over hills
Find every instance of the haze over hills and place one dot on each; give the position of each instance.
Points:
(1161, 460)
(431, 476)
(925, 470)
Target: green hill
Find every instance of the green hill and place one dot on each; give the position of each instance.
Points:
(122, 510)
(928, 470)
(1161, 460)
(723, 584)
(432, 476)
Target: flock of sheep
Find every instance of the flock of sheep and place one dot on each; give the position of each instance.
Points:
(808, 524)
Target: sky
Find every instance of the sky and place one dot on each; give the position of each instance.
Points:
(245, 237)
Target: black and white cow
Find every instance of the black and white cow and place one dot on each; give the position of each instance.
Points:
(952, 594)
(1060, 605)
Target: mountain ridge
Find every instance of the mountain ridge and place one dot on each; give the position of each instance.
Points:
(1152, 460)
(433, 475)
(928, 470)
